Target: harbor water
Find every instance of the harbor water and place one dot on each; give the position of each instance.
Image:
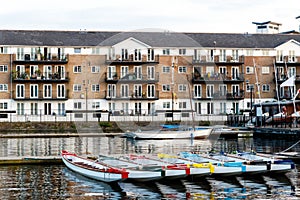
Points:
(58, 182)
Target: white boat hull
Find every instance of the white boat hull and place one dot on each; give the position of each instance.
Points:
(92, 173)
(169, 134)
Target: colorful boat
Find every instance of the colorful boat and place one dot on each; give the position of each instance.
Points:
(137, 172)
(92, 169)
(172, 132)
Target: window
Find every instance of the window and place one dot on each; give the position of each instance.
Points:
(3, 87)
(77, 69)
(210, 108)
(95, 88)
(77, 50)
(182, 105)
(182, 69)
(124, 71)
(166, 69)
(249, 86)
(182, 51)
(265, 52)
(150, 91)
(96, 105)
(124, 54)
(47, 91)
(222, 55)
(3, 105)
(166, 88)
(150, 72)
(249, 52)
(34, 108)
(77, 105)
(182, 87)
(137, 54)
(96, 50)
(95, 69)
(209, 91)
(198, 107)
(3, 68)
(124, 90)
(249, 70)
(166, 51)
(20, 91)
(20, 108)
(197, 91)
(77, 87)
(61, 91)
(34, 91)
(62, 109)
(111, 91)
(266, 88)
(222, 107)
(150, 56)
(166, 105)
(265, 70)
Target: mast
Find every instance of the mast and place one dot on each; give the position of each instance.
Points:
(276, 83)
(291, 91)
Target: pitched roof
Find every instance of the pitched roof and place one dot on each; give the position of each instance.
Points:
(154, 39)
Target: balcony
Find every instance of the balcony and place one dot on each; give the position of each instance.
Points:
(132, 96)
(217, 60)
(132, 60)
(43, 77)
(53, 96)
(287, 61)
(217, 78)
(219, 95)
(49, 58)
(131, 78)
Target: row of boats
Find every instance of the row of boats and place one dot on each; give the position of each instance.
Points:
(135, 167)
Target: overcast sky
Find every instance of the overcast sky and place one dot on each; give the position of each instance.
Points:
(228, 16)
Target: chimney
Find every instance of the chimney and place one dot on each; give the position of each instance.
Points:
(267, 27)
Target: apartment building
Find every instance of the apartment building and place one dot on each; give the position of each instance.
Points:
(70, 75)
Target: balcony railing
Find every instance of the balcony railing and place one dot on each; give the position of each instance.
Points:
(217, 77)
(58, 77)
(39, 58)
(131, 59)
(132, 77)
(218, 59)
(289, 60)
(40, 95)
(222, 95)
(110, 95)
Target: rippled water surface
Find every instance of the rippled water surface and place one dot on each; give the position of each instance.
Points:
(58, 182)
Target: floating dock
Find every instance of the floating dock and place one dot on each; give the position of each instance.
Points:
(28, 160)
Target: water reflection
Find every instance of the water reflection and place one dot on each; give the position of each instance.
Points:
(116, 145)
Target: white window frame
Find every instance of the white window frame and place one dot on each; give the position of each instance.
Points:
(77, 105)
(20, 91)
(166, 105)
(182, 87)
(166, 69)
(61, 91)
(77, 88)
(111, 90)
(209, 91)
(124, 90)
(3, 87)
(265, 70)
(34, 91)
(96, 105)
(95, 87)
(249, 70)
(77, 69)
(166, 87)
(197, 91)
(266, 88)
(47, 91)
(182, 69)
(95, 69)
(151, 91)
(3, 68)
(182, 105)
(3, 105)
